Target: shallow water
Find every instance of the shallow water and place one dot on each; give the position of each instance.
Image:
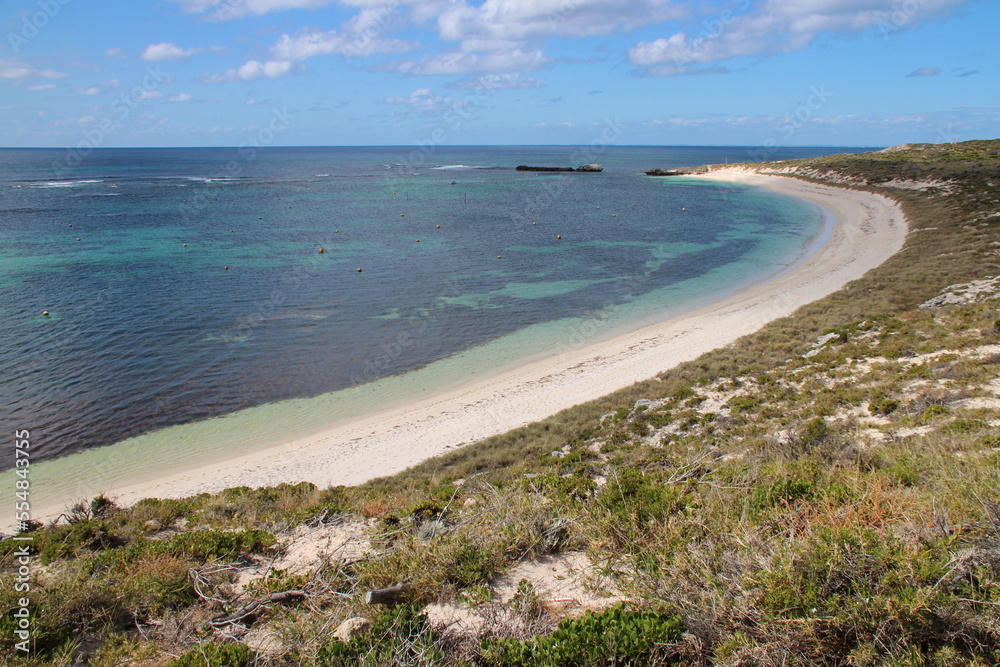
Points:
(145, 333)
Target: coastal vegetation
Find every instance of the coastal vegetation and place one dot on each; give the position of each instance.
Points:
(825, 491)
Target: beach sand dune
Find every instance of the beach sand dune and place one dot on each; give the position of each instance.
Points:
(869, 229)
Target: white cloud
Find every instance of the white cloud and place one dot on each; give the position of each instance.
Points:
(925, 71)
(12, 69)
(350, 43)
(499, 82)
(423, 100)
(253, 70)
(92, 90)
(87, 119)
(42, 86)
(777, 26)
(111, 83)
(499, 24)
(227, 10)
(115, 53)
(168, 51)
(465, 63)
(149, 95)
(182, 97)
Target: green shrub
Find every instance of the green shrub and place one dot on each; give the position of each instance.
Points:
(72, 540)
(739, 404)
(609, 638)
(814, 433)
(632, 497)
(212, 654)
(398, 636)
(784, 491)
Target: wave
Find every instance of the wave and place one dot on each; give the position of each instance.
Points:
(63, 184)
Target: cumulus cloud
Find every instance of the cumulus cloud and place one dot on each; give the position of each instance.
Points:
(465, 63)
(115, 53)
(182, 97)
(167, 51)
(227, 10)
(92, 90)
(423, 101)
(42, 86)
(13, 69)
(351, 43)
(925, 71)
(253, 70)
(498, 82)
(777, 26)
(498, 24)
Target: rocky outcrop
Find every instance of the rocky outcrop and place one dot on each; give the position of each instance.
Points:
(585, 168)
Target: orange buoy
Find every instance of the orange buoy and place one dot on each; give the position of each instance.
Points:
(185, 245)
(336, 232)
(534, 223)
(71, 224)
(260, 218)
(558, 236)
(77, 238)
(614, 215)
(230, 231)
(439, 226)
(401, 215)
(226, 268)
(321, 251)
(359, 270)
(684, 209)
(498, 256)
(45, 313)
(418, 240)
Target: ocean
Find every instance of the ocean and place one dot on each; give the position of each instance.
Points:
(185, 285)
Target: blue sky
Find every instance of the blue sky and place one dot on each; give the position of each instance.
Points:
(363, 72)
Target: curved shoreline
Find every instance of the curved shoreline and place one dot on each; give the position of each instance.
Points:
(869, 229)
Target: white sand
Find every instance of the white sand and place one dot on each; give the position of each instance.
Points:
(869, 229)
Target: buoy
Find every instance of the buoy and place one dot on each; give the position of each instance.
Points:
(77, 238)
(230, 231)
(260, 218)
(185, 245)
(633, 204)
(45, 313)
(321, 251)
(534, 223)
(598, 208)
(225, 268)
(337, 231)
(684, 209)
(439, 226)
(614, 215)
(393, 193)
(71, 224)
(359, 270)
(401, 215)
(498, 256)
(558, 236)
(418, 240)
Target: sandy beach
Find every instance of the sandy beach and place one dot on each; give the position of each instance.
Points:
(869, 229)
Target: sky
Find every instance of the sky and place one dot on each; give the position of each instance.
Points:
(119, 73)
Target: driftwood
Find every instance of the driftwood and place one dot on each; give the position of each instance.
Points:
(249, 612)
(390, 595)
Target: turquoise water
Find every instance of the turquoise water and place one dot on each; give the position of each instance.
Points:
(156, 346)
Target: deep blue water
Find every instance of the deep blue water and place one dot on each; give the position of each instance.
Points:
(145, 332)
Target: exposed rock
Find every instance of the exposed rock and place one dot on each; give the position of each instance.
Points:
(352, 627)
(590, 167)
(523, 167)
